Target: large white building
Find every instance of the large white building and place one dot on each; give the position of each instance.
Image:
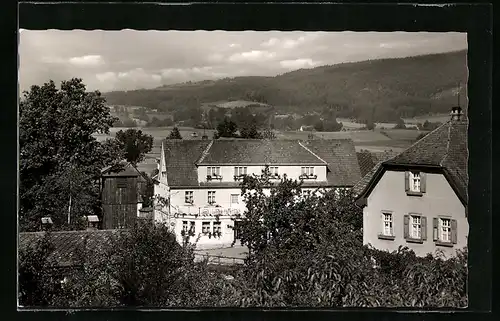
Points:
(201, 179)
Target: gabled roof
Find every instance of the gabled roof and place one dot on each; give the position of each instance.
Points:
(123, 169)
(69, 244)
(367, 160)
(444, 148)
(340, 155)
(180, 160)
(258, 152)
(183, 156)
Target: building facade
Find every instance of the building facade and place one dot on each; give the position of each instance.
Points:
(418, 198)
(200, 180)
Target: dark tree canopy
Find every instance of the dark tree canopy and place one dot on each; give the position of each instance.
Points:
(59, 157)
(174, 134)
(227, 128)
(135, 144)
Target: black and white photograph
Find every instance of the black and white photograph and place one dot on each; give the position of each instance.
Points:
(248, 169)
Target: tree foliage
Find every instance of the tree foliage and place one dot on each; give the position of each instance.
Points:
(404, 87)
(58, 152)
(227, 128)
(174, 134)
(306, 250)
(135, 144)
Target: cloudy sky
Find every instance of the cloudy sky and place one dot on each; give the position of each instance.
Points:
(127, 59)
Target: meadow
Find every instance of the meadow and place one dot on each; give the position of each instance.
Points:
(376, 141)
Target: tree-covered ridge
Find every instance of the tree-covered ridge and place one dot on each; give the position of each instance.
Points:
(384, 89)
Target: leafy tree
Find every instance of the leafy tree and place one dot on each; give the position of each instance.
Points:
(268, 133)
(227, 128)
(370, 125)
(400, 124)
(250, 131)
(174, 134)
(57, 146)
(135, 144)
(35, 288)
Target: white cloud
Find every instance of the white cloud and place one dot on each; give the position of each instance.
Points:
(87, 61)
(298, 63)
(234, 45)
(215, 57)
(254, 55)
(128, 80)
(271, 42)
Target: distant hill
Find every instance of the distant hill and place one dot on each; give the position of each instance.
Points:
(384, 89)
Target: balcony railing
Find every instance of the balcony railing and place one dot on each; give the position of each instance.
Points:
(308, 176)
(214, 177)
(206, 211)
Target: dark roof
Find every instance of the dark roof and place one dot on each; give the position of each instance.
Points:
(68, 244)
(180, 159)
(257, 151)
(365, 181)
(340, 155)
(121, 169)
(367, 160)
(444, 148)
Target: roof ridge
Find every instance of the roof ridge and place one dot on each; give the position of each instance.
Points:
(447, 147)
(205, 152)
(420, 141)
(310, 151)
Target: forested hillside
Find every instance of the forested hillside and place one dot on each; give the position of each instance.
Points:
(382, 90)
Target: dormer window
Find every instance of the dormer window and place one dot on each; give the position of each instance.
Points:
(307, 172)
(415, 183)
(213, 173)
(240, 172)
(273, 171)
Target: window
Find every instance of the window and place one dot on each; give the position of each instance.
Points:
(185, 226)
(308, 171)
(188, 197)
(415, 227)
(192, 228)
(239, 171)
(445, 230)
(205, 227)
(387, 224)
(273, 170)
(213, 171)
(211, 197)
(217, 227)
(234, 198)
(415, 181)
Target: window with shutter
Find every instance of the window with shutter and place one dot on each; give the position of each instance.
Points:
(454, 231)
(435, 229)
(406, 226)
(423, 179)
(407, 181)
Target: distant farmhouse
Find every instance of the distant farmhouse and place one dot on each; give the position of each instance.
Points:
(201, 179)
(418, 198)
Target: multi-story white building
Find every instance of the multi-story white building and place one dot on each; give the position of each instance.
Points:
(201, 179)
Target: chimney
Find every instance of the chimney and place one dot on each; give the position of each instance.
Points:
(456, 113)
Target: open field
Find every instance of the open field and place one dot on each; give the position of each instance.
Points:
(356, 136)
(376, 141)
(441, 118)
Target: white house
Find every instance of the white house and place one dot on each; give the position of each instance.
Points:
(418, 198)
(200, 179)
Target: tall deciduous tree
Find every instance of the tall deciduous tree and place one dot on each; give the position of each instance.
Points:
(56, 127)
(135, 144)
